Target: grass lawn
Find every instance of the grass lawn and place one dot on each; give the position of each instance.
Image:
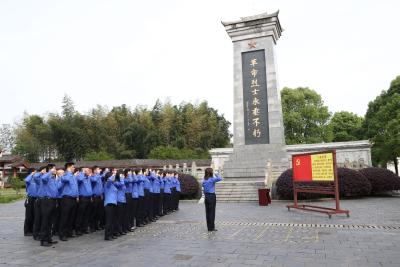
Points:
(8, 195)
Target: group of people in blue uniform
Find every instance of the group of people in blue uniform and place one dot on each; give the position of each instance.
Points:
(70, 201)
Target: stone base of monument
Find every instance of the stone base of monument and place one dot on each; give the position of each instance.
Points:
(239, 190)
(250, 168)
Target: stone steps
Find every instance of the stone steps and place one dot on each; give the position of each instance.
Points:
(239, 189)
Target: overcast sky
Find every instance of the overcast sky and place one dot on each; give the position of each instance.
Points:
(133, 52)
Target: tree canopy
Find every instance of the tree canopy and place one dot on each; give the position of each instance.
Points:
(186, 129)
(382, 125)
(305, 116)
(346, 126)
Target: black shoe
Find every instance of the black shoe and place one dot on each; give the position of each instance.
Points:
(36, 238)
(45, 244)
(53, 242)
(114, 237)
(86, 232)
(214, 230)
(63, 238)
(108, 239)
(78, 233)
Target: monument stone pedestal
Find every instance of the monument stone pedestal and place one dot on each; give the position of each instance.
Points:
(258, 136)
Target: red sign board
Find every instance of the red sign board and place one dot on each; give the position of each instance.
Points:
(319, 168)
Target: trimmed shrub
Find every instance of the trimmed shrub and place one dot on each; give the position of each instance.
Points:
(189, 186)
(381, 179)
(352, 183)
(16, 184)
(284, 187)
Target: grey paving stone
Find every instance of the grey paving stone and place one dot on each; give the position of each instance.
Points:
(181, 239)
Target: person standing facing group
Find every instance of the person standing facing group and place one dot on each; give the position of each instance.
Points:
(210, 201)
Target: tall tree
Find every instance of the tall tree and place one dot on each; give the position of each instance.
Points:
(382, 125)
(305, 117)
(189, 130)
(346, 126)
(7, 138)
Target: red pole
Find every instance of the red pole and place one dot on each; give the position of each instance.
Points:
(337, 197)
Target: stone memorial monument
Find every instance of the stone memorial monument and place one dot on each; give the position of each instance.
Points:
(258, 122)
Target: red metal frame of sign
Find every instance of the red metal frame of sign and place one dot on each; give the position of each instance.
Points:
(306, 184)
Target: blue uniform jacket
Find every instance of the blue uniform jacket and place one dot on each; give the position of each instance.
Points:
(84, 185)
(30, 183)
(173, 182)
(161, 182)
(128, 184)
(147, 183)
(70, 185)
(156, 185)
(121, 190)
(97, 185)
(110, 192)
(209, 184)
(178, 185)
(135, 186)
(37, 177)
(167, 186)
(49, 186)
(141, 186)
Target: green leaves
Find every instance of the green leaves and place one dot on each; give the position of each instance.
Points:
(346, 126)
(121, 133)
(382, 124)
(305, 116)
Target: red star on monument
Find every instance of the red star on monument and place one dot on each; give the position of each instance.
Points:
(252, 44)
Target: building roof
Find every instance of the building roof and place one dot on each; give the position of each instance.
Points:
(131, 163)
(10, 158)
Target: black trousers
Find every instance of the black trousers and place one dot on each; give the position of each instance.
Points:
(37, 218)
(154, 197)
(119, 226)
(210, 203)
(140, 211)
(56, 218)
(128, 212)
(178, 196)
(67, 217)
(166, 203)
(29, 215)
(135, 203)
(160, 202)
(47, 207)
(146, 204)
(173, 198)
(97, 213)
(110, 211)
(82, 214)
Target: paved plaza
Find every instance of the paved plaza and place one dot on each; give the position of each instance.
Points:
(247, 235)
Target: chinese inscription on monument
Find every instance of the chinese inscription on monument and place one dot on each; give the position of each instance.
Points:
(255, 98)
